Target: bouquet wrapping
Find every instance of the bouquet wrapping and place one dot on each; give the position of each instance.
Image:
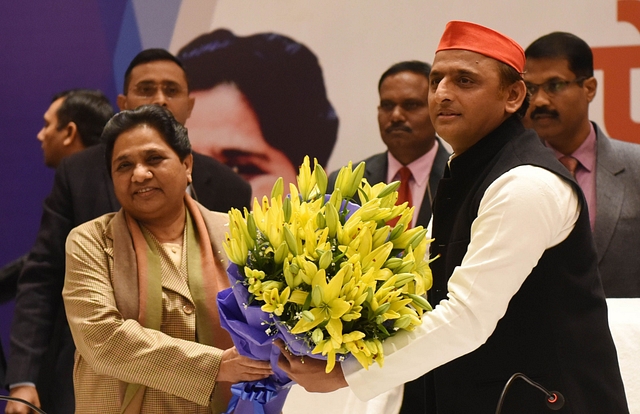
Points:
(328, 277)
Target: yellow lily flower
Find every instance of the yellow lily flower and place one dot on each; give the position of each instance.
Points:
(332, 219)
(259, 211)
(275, 301)
(253, 275)
(372, 211)
(343, 180)
(326, 304)
(369, 192)
(256, 290)
(321, 177)
(404, 240)
(306, 181)
(380, 236)
(298, 296)
(292, 275)
(235, 247)
(237, 221)
(278, 189)
(376, 349)
(294, 195)
(377, 257)
(329, 347)
(355, 180)
(308, 270)
(360, 351)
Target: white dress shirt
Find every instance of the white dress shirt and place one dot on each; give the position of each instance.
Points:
(522, 213)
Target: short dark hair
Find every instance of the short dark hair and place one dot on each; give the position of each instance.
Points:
(281, 79)
(154, 116)
(563, 45)
(415, 66)
(150, 55)
(88, 109)
(508, 76)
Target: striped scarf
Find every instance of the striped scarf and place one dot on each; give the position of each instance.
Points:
(144, 301)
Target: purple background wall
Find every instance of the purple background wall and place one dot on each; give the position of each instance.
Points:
(46, 48)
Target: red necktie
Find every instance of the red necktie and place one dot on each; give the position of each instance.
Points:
(570, 163)
(404, 192)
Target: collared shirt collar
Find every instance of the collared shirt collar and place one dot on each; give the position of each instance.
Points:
(585, 153)
(420, 168)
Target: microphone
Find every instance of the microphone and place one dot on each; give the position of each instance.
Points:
(554, 400)
(28, 404)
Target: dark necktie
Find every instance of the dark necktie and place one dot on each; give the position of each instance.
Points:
(404, 191)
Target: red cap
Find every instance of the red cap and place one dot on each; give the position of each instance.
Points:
(480, 39)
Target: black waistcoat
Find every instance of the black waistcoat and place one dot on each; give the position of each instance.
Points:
(555, 329)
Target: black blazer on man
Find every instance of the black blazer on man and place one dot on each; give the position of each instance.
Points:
(41, 344)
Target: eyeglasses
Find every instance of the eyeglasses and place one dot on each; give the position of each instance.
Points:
(554, 86)
(149, 89)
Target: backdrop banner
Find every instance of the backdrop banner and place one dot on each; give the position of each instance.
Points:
(274, 80)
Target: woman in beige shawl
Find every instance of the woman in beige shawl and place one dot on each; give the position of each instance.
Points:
(141, 284)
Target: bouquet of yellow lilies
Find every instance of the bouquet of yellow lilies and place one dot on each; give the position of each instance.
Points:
(333, 274)
(330, 278)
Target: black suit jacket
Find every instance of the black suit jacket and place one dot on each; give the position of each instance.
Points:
(41, 345)
(9, 278)
(376, 172)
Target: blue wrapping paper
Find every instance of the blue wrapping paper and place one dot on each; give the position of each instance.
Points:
(266, 396)
(248, 325)
(258, 397)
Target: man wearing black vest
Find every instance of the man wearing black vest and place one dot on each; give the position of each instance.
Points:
(516, 284)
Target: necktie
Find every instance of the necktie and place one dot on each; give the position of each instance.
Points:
(570, 164)
(404, 191)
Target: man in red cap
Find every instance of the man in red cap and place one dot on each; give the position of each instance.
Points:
(516, 284)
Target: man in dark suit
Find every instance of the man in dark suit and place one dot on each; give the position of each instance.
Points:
(559, 75)
(406, 130)
(74, 121)
(83, 191)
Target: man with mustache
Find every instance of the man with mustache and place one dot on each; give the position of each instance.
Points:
(414, 151)
(559, 76)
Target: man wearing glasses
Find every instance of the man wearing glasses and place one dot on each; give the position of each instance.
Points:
(559, 77)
